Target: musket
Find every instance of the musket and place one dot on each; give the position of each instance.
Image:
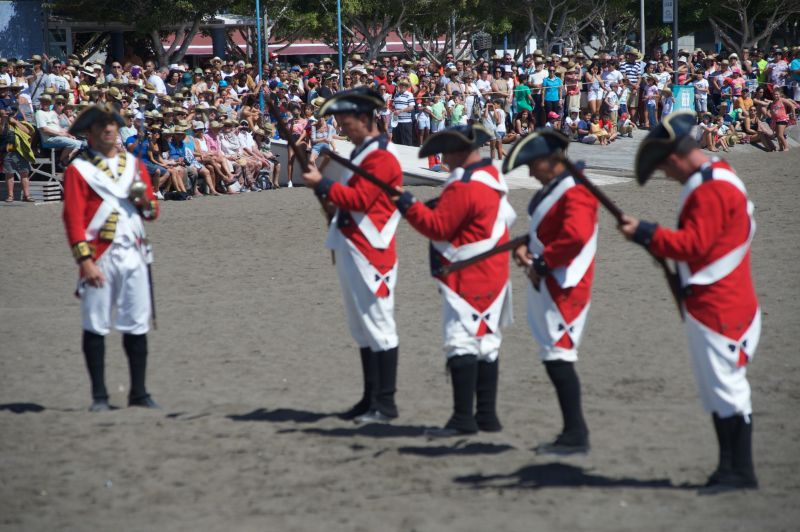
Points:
(512, 244)
(391, 191)
(298, 153)
(138, 189)
(671, 277)
(152, 295)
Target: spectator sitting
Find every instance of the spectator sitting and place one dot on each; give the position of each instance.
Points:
(570, 126)
(55, 137)
(625, 125)
(584, 133)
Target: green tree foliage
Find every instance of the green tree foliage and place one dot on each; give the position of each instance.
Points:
(153, 18)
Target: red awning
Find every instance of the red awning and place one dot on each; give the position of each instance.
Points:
(201, 45)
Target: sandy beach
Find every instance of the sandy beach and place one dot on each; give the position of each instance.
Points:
(252, 357)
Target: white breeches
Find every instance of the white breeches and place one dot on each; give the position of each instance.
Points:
(459, 341)
(370, 318)
(125, 290)
(547, 326)
(721, 383)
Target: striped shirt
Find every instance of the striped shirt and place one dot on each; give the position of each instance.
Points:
(401, 101)
(632, 71)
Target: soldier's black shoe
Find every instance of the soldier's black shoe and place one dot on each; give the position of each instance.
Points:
(722, 481)
(448, 432)
(358, 409)
(373, 416)
(144, 402)
(100, 405)
(565, 444)
(369, 369)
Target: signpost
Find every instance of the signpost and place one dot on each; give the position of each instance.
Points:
(669, 12)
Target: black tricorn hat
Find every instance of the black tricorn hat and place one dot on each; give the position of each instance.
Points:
(543, 142)
(358, 100)
(672, 134)
(456, 138)
(95, 113)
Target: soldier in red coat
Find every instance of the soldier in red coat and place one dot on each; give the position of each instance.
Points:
(107, 194)
(711, 247)
(362, 236)
(559, 260)
(470, 217)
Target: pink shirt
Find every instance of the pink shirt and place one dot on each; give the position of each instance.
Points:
(213, 143)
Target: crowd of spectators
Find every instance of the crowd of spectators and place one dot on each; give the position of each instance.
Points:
(202, 130)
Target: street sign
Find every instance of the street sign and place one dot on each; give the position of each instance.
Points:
(668, 11)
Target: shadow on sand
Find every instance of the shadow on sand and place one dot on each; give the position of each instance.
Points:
(559, 475)
(459, 448)
(22, 408)
(372, 430)
(281, 415)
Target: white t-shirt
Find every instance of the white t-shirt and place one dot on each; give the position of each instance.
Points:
(701, 84)
(610, 75)
(483, 85)
(46, 119)
(500, 127)
(158, 83)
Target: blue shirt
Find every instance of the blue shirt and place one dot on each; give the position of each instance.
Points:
(795, 65)
(551, 89)
(141, 150)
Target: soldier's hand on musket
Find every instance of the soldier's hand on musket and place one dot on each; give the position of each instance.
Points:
(628, 226)
(312, 176)
(92, 274)
(523, 256)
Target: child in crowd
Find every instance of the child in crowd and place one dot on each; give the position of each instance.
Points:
(651, 102)
(612, 101)
(700, 91)
(708, 132)
(667, 101)
(609, 126)
(625, 125)
(597, 130)
(624, 96)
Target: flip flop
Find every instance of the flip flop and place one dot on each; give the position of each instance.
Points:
(28, 199)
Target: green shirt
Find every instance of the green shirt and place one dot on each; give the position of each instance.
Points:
(437, 110)
(762, 70)
(455, 114)
(521, 96)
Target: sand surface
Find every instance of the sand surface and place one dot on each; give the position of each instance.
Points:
(252, 356)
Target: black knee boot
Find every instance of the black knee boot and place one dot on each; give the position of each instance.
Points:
(94, 351)
(136, 349)
(735, 470)
(486, 394)
(575, 435)
(464, 375)
(743, 452)
(382, 409)
(724, 430)
(369, 370)
(387, 383)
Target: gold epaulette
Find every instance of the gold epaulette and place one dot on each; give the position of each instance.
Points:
(82, 251)
(109, 228)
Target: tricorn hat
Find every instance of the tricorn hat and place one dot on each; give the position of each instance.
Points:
(358, 100)
(95, 113)
(672, 134)
(543, 142)
(456, 138)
